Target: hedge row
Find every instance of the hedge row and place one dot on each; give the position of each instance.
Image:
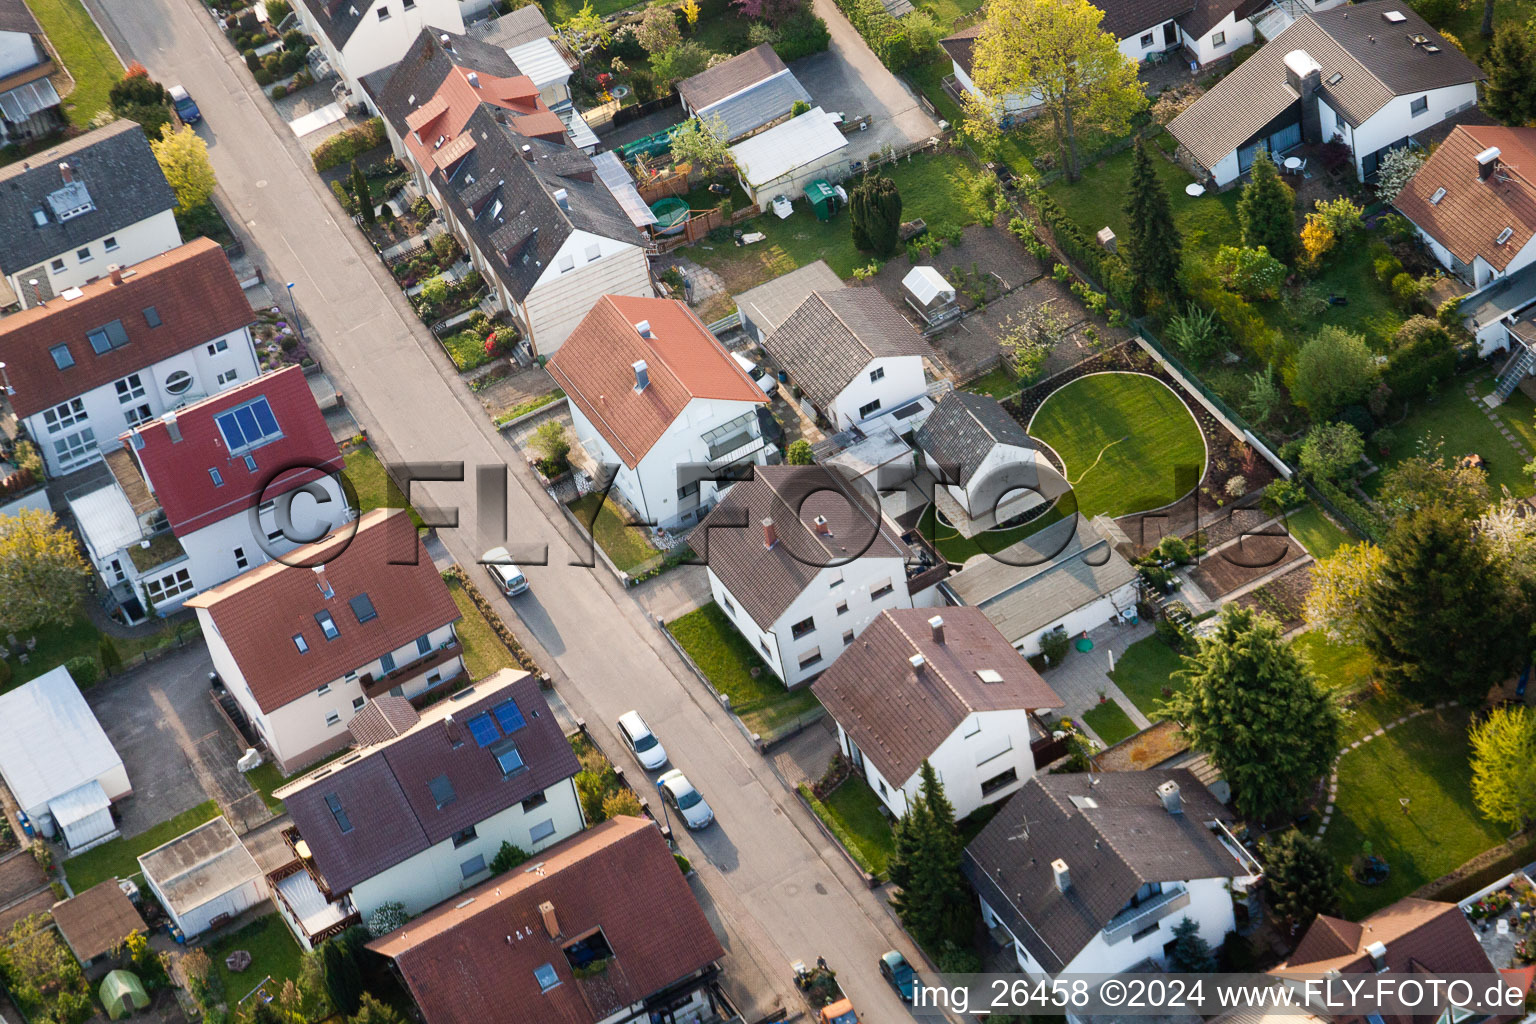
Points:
(494, 618)
(1364, 518)
(1107, 268)
(898, 44)
(345, 146)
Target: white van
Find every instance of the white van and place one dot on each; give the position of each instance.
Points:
(763, 378)
(507, 576)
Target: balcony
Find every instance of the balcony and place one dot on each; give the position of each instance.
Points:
(374, 687)
(1133, 919)
(734, 440)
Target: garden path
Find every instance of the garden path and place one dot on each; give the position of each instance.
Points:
(1333, 776)
(1080, 679)
(1492, 413)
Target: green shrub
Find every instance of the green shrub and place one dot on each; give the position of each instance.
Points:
(293, 40)
(344, 146)
(801, 35)
(1387, 268)
(1449, 313)
(1407, 290)
(1054, 645)
(291, 61)
(279, 91)
(264, 78)
(344, 196)
(1283, 495)
(83, 670)
(1423, 357)
(252, 61)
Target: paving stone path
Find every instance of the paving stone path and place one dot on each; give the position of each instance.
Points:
(1333, 777)
(1498, 421)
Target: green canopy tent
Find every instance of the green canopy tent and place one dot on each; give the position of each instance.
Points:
(122, 993)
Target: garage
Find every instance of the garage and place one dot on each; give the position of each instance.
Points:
(786, 158)
(204, 877)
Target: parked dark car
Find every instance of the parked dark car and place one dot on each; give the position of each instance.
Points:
(186, 107)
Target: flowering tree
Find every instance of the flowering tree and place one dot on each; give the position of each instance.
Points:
(658, 31)
(1395, 170)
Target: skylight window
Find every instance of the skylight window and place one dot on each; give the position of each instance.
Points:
(151, 316)
(508, 717)
(508, 757)
(62, 357)
(1336, 78)
(988, 675)
(107, 337)
(1434, 200)
(442, 791)
(250, 463)
(248, 426)
(483, 730)
(327, 625)
(545, 975)
(342, 821)
(1504, 236)
(363, 608)
(218, 480)
(301, 643)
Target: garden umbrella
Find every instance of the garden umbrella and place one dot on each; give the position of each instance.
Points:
(122, 993)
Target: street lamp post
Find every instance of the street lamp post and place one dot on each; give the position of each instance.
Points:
(295, 308)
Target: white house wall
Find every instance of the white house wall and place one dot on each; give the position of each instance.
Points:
(114, 782)
(132, 244)
(435, 874)
(376, 44)
(107, 416)
(1235, 33)
(1088, 617)
(1013, 103)
(559, 300)
(1395, 121)
(977, 498)
(198, 919)
(1134, 49)
(903, 382)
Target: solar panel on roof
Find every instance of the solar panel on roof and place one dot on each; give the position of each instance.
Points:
(481, 728)
(508, 716)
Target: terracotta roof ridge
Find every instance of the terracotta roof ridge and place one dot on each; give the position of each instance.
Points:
(917, 648)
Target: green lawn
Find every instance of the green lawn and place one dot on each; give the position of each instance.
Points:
(119, 858)
(957, 549)
(1342, 668)
(1518, 413)
(273, 952)
(1424, 760)
(935, 188)
(949, 12)
(484, 653)
(57, 645)
(1317, 533)
(1468, 18)
(855, 815)
(1127, 441)
(626, 545)
(85, 53)
(1145, 670)
(372, 483)
(1461, 423)
(998, 383)
(728, 660)
(1110, 722)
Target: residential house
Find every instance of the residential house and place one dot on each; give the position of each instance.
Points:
(987, 465)
(88, 366)
(203, 493)
(539, 224)
(1090, 873)
(528, 38)
(746, 93)
(945, 688)
(764, 308)
(302, 645)
(652, 393)
(786, 158)
(359, 37)
(1410, 937)
(58, 763)
(69, 213)
(853, 354)
(29, 104)
(203, 878)
(1069, 576)
(801, 564)
(1372, 75)
(605, 930)
(419, 811)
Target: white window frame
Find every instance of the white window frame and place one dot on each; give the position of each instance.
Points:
(170, 586)
(64, 415)
(1218, 39)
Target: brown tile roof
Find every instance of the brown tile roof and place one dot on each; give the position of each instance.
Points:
(474, 961)
(767, 580)
(1207, 14)
(382, 719)
(1471, 215)
(385, 790)
(1114, 835)
(898, 715)
(1124, 18)
(595, 367)
(1374, 59)
(829, 340)
(258, 613)
(728, 77)
(97, 920)
(961, 46)
(192, 288)
(1328, 937)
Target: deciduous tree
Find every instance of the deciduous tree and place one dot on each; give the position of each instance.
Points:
(1266, 212)
(1252, 273)
(1029, 336)
(1335, 604)
(584, 31)
(702, 142)
(684, 60)
(1334, 368)
(1429, 478)
(1395, 170)
(658, 31)
(1153, 245)
(1303, 878)
(933, 901)
(1510, 92)
(1253, 704)
(1055, 51)
(1331, 450)
(371, 1011)
(183, 157)
(1504, 766)
(874, 211)
(41, 572)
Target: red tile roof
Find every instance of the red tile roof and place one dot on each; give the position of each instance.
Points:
(386, 791)
(447, 111)
(1472, 214)
(192, 288)
(257, 614)
(473, 961)
(897, 714)
(595, 367)
(177, 471)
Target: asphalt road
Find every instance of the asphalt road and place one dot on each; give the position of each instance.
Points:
(782, 890)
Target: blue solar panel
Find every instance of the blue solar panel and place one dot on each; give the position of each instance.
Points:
(508, 717)
(482, 730)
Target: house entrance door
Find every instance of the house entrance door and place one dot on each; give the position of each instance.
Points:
(1171, 34)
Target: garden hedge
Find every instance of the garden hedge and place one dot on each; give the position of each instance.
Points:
(345, 146)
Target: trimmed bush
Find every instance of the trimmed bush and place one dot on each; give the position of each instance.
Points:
(83, 670)
(1407, 290)
(344, 146)
(800, 36)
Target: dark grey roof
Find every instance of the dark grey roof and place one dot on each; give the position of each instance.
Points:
(1125, 18)
(338, 19)
(515, 28)
(1207, 14)
(729, 77)
(1508, 294)
(961, 46)
(402, 88)
(771, 303)
(829, 340)
(964, 428)
(1371, 57)
(116, 167)
(1113, 833)
(507, 203)
(14, 17)
(758, 105)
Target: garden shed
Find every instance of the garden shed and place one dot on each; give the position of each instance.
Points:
(97, 921)
(204, 877)
(58, 762)
(786, 158)
(928, 293)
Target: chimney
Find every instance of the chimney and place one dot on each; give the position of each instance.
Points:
(770, 533)
(917, 661)
(551, 922)
(937, 625)
(446, 41)
(1305, 76)
(37, 291)
(822, 527)
(451, 729)
(65, 172)
(527, 152)
(643, 327)
(1487, 163)
(1378, 953)
(116, 270)
(1063, 878)
(563, 198)
(172, 427)
(474, 79)
(1168, 792)
(642, 374)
